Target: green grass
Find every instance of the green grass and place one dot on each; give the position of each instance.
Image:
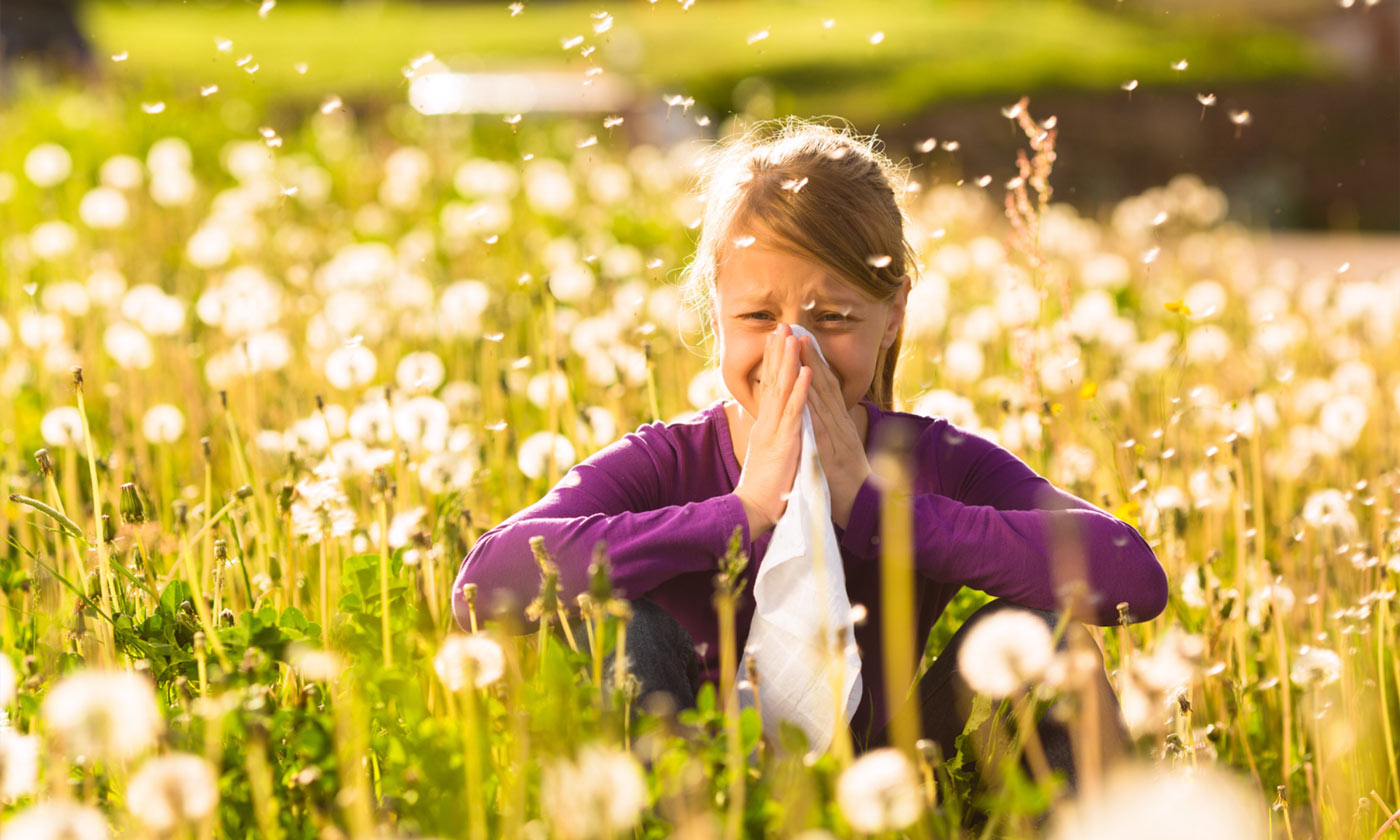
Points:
(931, 50)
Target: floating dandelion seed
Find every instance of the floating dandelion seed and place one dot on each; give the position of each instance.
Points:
(570, 43)
(878, 260)
(1150, 255)
(242, 62)
(267, 6)
(877, 38)
(591, 140)
(926, 146)
(795, 185)
(1130, 85)
(741, 242)
(300, 67)
(153, 107)
(604, 23)
(673, 100)
(827, 23)
(1015, 183)
(1346, 4)
(654, 264)
(332, 104)
(702, 121)
(612, 122)
(1159, 219)
(421, 60)
(1013, 111)
(760, 35)
(208, 90)
(587, 51)
(513, 119)
(951, 145)
(289, 191)
(516, 8)
(223, 45)
(1178, 66)
(121, 56)
(984, 180)
(252, 68)
(1207, 100)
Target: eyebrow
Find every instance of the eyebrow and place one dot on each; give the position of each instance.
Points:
(765, 299)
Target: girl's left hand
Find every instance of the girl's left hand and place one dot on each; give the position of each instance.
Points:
(839, 444)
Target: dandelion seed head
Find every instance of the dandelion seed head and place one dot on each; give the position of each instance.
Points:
(1005, 651)
(600, 793)
(469, 660)
(95, 712)
(880, 792)
(55, 820)
(172, 790)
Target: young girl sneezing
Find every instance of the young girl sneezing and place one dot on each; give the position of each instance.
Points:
(803, 226)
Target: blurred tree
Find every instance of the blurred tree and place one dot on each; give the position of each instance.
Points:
(45, 34)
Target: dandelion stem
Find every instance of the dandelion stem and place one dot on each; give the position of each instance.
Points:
(104, 572)
(386, 639)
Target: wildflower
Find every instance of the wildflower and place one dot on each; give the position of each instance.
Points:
(48, 165)
(312, 663)
(62, 426)
(475, 658)
(571, 282)
(1316, 667)
(128, 346)
(880, 792)
(209, 247)
(171, 790)
(401, 527)
(113, 714)
(547, 385)
(1147, 803)
(599, 794)
(19, 763)
(422, 423)
(350, 366)
(538, 449)
(157, 312)
(1343, 418)
(103, 208)
(1004, 651)
(1329, 509)
(52, 240)
(421, 371)
(55, 821)
(320, 509)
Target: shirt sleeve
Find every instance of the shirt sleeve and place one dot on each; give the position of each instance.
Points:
(619, 496)
(995, 525)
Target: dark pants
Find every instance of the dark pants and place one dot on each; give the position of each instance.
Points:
(662, 657)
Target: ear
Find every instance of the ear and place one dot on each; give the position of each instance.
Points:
(896, 313)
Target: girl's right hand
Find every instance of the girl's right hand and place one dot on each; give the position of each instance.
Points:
(775, 441)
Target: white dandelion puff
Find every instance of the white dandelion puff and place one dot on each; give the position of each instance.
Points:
(172, 790)
(464, 660)
(163, 423)
(95, 712)
(537, 450)
(1316, 667)
(1005, 651)
(19, 762)
(880, 792)
(350, 366)
(62, 426)
(55, 820)
(47, 165)
(599, 794)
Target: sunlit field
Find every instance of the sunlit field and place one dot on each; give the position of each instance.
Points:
(260, 393)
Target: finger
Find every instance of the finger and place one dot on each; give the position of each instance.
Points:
(788, 368)
(797, 400)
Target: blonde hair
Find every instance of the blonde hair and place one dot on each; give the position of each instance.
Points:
(828, 195)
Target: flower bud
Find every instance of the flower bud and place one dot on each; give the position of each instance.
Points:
(45, 463)
(132, 511)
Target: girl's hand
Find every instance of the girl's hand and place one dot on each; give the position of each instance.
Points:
(775, 441)
(839, 445)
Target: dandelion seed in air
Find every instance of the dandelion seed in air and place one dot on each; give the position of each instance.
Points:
(251, 69)
(121, 56)
(243, 62)
(605, 22)
(760, 35)
(587, 51)
(877, 38)
(300, 67)
(1241, 119)
(655, 263)
(223, 45)
(827, 23)
(702, 121)
(926, 146)
(1013, 111)
(879, 260)
(741, 242)
(984, 180)
(951, 145)
(208, 90)
(591, 140)
(795, 185)
(290, 191)
(1130, 85)
(1015, 183)
(612, 122)
(331, 104)
(496, 337)
(1179, 66)
(153, 107)
(513, 119)
(1159, 219)
(1344, 268)
(1207, 100)
(1150, 255)
(1346, 4)
(570, 43)
(516, 8)
(267, 6)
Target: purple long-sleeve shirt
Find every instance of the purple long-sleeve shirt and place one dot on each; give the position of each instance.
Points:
(662, 500)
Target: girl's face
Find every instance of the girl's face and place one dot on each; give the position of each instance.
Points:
(758, 286)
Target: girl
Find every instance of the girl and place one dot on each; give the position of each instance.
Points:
(803, 226)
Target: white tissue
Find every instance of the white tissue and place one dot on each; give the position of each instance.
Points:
(803, 611)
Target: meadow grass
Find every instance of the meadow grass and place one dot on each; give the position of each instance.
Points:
(315, 367)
